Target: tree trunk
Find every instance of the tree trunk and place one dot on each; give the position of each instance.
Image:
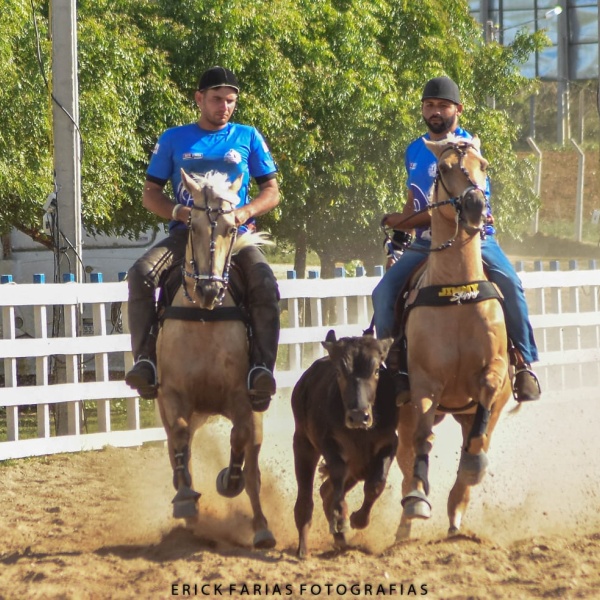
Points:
(300, 255)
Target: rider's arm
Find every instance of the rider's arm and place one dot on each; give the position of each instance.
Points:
(157, 202)
(266, 199)
(407, 220)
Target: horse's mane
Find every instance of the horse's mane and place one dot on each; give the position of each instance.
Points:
(255, 238)
(219, 183)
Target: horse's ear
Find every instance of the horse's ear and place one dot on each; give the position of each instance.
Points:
(189, 182)
(476, 141)
(237, 184)
(385, 346)
(435, 147)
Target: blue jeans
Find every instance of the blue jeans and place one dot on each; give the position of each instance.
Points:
(500, 271)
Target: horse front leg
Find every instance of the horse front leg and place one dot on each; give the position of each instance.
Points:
(179, 438)
(405, 456)
(246, 440)
(416, 503)
(374, 485)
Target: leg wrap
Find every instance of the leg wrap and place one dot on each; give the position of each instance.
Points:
(181, 468)
(480, 423)
(421, 471)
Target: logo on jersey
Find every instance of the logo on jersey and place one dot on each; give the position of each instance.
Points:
(156, 147)
(233, 156)
(193, 156)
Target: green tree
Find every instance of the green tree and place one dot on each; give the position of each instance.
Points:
(334, 85)
(125, 94)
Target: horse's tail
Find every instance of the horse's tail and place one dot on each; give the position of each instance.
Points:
(254, 238)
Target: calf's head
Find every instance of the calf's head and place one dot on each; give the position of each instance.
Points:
(357, 361)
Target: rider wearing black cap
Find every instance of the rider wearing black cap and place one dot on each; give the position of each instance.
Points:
(441, 108)
(213, 143)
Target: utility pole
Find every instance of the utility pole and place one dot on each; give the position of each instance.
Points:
(67, 143)
(67, 167)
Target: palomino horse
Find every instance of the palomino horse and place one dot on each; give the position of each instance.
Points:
(456, 338)
(203, 354)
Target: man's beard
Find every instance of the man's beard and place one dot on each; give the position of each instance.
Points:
(440, 127)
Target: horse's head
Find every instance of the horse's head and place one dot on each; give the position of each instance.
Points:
(212, 233)
(357, 361)
(461, 179)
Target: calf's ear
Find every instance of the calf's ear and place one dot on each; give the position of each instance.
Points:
(329, 342)
(330, 337)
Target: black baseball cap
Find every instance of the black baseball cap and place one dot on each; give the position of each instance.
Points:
(218, 77)
(443, 88)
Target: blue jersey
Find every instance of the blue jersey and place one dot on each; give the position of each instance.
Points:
(236, 149)
(421, 167)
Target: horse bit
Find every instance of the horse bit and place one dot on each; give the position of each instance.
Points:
(198, 277)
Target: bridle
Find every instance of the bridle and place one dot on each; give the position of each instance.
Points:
(213, 215)
(461, 148)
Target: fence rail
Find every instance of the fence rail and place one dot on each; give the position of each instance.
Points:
(82, 367)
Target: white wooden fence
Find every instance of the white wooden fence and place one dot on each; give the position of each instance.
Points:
(564, 314)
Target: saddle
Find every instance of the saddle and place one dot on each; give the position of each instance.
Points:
(411, 296)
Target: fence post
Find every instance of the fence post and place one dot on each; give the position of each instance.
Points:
(42, 368)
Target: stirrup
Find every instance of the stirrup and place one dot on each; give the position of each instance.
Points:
(135, 380)
(535, 395)
(260, 395)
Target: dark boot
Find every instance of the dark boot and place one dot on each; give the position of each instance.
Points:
(143, 325)
(526, 385)
(396, 363)
(142, 378)
(262, 296)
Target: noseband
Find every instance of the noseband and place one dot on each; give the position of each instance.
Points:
(213, 215)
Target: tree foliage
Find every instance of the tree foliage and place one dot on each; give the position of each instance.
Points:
(333, 84)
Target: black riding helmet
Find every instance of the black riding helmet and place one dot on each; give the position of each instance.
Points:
(443, 88)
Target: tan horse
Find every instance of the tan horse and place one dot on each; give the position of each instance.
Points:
(203, 355)
(456, 338)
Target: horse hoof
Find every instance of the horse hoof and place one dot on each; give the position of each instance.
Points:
(230, 487)
(453, 531)
(472, 467)
(416, 506)
(264, 539)
(185, 503)
(185, 509)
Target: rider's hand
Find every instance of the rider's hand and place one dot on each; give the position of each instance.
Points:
(241, 215)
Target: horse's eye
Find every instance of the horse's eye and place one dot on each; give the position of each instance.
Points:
(376, 374)
(444, 168)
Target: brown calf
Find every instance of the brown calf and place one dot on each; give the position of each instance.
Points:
(345, 411)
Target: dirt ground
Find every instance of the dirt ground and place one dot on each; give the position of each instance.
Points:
(98, 524)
